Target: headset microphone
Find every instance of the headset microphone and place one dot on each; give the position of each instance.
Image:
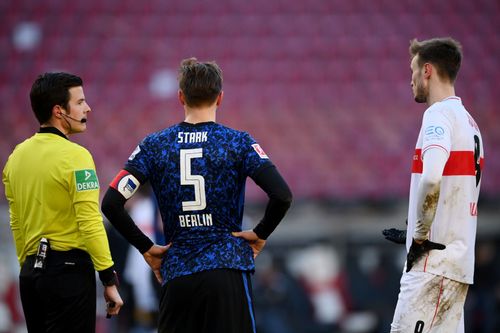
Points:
(83, 120)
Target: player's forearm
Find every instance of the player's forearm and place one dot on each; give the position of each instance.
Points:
(280, 199)
(428, 191)
(427, 203)
(113, 207)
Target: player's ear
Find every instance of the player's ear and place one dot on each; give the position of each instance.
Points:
(219, 98)
(428, 69)
(181, 97)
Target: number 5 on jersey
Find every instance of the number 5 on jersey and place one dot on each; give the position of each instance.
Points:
(200, 201)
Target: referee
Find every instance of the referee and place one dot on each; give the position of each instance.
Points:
(53, 192)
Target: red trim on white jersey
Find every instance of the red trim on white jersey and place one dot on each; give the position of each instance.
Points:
(460, 163)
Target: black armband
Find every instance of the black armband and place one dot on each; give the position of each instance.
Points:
(280, 199)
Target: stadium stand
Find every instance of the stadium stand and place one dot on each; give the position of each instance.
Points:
(323, 85)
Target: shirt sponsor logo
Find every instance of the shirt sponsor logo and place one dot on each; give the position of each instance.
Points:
(86, 180)
(259, 150)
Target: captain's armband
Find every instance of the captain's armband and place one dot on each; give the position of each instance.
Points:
(125, 183)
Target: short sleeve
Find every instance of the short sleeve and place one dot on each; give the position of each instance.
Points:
(138, 162)
(255, 158)
(436, 131)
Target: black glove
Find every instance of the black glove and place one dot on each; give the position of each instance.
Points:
(419, 250)
(395, 235)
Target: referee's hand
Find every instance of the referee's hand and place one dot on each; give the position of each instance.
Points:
(113, 300)
(419, 249)
(153, 258)
(253, 240)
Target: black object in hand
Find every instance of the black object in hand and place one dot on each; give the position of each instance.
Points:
(395, 235)
(419, 250)
(110, 305)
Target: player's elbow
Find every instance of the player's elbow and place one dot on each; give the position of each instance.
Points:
(288, 198)
(431, 180)
(285, 197)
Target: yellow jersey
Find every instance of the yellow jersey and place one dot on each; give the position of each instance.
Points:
(53, 192)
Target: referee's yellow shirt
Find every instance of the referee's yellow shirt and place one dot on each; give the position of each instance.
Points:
(53, 192)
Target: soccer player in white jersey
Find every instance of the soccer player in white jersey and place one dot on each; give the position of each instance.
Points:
(444, 189)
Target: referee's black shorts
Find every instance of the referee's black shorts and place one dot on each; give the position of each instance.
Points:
(61, 298)
(214, 301)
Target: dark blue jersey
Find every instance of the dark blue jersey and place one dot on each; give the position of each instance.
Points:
(198, 174)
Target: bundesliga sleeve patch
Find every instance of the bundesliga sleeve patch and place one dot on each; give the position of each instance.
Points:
(134, 153)
(86, 180)
(259, 150)
(125, 183)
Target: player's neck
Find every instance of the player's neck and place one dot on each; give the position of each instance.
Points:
(440, 92)
(199, 115)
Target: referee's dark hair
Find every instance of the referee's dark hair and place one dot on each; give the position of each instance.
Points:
(444, 53)
(200, 82)
(49, 90)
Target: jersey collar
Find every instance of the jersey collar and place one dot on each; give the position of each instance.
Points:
(197, 124)
(52, 130)
(452, 97)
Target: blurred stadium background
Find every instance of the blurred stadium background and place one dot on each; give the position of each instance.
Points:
(323, 85)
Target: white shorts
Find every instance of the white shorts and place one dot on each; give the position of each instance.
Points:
(429, 303)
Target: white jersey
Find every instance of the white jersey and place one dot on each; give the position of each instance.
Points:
(447, 125)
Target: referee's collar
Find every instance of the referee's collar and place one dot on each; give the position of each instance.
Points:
(52, 130)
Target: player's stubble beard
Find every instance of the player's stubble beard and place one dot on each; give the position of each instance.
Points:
(421, 94)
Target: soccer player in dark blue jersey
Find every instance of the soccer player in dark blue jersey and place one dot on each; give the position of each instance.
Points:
(198, 170)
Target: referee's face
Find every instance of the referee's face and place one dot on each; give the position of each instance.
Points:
(77, 110)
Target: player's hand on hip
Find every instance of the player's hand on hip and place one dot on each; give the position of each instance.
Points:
(419, 249)
(253, 240)
(153, 258)
(113, 299)
(397, 236)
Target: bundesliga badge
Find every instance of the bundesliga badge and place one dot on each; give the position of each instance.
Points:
(259, 150)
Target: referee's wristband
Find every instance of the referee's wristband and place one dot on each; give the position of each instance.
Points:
(109, 277)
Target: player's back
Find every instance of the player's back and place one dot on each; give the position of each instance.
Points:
(198, 173)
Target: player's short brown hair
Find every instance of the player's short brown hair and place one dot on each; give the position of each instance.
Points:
(200, 82)
(444, 53)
